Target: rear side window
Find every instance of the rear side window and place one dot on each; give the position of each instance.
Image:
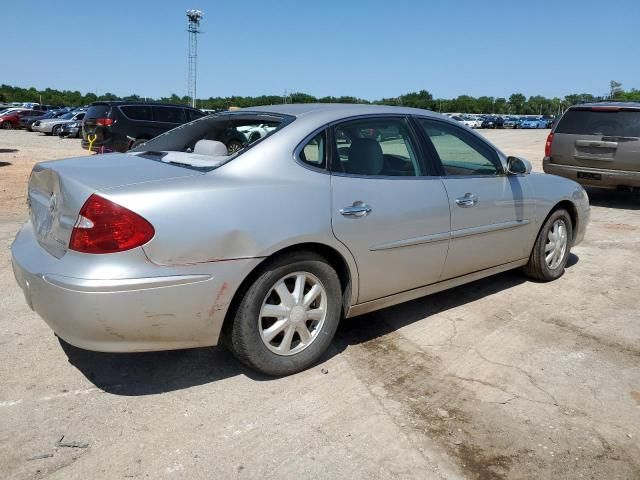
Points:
(98, 111)
(137, 112)
(594, 122)
(169, 115)
(314, 152)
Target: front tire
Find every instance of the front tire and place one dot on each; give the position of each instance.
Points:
(7, 125)
(56, 130)
(288, 316)
(551, 250)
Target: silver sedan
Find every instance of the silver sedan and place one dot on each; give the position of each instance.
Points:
(339, 210)
(53, 126)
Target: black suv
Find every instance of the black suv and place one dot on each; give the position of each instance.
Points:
(119, 126)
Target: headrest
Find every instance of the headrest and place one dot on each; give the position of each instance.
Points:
(210, 147)
(365, 157)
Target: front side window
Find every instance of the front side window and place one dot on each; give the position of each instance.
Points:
(375, 147)
(459, 152)
(314, 152)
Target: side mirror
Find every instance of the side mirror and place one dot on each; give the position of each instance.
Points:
(518, 166)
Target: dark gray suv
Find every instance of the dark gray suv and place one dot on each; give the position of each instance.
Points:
(597, 144)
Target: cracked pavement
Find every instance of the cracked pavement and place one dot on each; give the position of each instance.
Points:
(499, 379)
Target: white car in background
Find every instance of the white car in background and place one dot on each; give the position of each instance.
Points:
(255, 132)
(465, 121)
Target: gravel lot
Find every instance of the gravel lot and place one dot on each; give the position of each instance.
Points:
(502, 378)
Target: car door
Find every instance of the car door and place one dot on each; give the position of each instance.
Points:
(491, 216)
(391, 215)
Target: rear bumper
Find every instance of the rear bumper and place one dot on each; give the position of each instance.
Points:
(607, 178)
(176, 307)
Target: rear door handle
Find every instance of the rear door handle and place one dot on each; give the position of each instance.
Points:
(469, 200)
(358, 209)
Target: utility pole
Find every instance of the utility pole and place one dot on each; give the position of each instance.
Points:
(194, 17)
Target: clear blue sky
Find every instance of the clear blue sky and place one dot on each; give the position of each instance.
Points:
(369, 49)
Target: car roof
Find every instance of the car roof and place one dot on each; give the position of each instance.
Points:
(633, 105)
(337, 110)
(124, 102)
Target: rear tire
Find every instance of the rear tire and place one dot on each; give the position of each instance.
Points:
(7, 125)
(551, 250)
(56, 130)
(252, 337)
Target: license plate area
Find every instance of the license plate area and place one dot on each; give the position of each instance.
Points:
(590, 176)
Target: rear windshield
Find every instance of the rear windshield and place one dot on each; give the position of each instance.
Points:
(98, 111)
(594, 122)
(233, 132)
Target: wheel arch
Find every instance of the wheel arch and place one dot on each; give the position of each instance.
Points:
(335, 258)
(570, 207)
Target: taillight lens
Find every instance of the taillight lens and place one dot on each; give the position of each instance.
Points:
(547, 145)
(106, 227)
(104, 122)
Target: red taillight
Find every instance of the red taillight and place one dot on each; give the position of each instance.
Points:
(104, 122)
(106, 227)
(547, 146)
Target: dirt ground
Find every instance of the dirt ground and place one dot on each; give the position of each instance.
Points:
(500, 379)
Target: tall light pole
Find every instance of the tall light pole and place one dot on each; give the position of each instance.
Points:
(194, 17)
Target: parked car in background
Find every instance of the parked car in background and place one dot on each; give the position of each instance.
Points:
(597, 145)
(511, 122)
(267, 249)
(493, 122)
(119, 126)
(27, 121)
(11, 119)
(7, 110)
(256, 132)
(46, 108)
(464, 121)
(53, 126)
(71, 130)
(533, 123)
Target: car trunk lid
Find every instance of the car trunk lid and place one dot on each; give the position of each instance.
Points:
(58, 189)
(598, 137)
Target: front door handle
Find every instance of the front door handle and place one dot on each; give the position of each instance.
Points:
(469, 200)
(358, 209)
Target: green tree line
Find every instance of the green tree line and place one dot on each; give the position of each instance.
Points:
(517, 103)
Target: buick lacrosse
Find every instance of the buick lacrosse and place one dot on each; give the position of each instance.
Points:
(337, 210)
